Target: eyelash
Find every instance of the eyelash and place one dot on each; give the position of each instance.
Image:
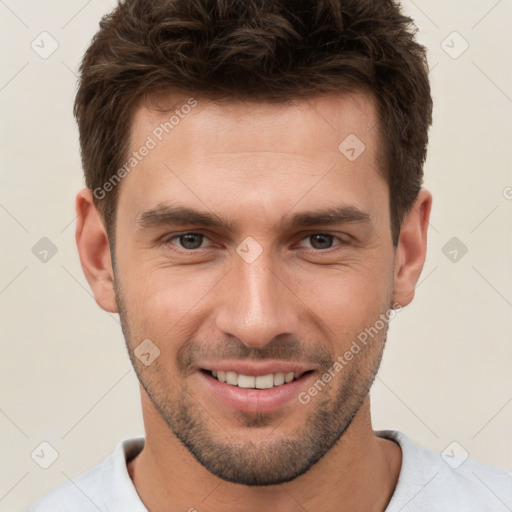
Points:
(168, 241)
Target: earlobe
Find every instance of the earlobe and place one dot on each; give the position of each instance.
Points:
(412, 249)
(94, 251)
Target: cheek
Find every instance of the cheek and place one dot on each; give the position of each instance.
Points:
(161, 302)
(346, 302)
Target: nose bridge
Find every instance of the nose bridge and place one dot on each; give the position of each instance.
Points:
(256, 306)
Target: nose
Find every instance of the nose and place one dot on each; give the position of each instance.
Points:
(257, 304)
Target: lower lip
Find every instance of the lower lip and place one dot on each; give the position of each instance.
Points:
(255, 400)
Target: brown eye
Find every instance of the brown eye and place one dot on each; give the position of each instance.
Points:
(321, 241)
(190, 241)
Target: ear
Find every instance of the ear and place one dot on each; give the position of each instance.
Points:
(412, 249)
(94, 250)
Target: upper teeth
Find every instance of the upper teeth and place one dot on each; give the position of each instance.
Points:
(259, 382)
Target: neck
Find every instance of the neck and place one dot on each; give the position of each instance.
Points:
(359, 473)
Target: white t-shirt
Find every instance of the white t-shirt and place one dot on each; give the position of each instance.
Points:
(427, 483)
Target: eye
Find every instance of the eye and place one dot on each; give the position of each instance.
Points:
(321, 241)
(188, 241)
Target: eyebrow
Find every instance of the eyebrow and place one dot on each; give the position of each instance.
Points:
(174, 215)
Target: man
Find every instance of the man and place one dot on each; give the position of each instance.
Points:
(254, 213)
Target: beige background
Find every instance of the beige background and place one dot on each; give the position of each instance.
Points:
(64, 372)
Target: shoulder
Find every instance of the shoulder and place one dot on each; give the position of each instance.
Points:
(432, 481)
(106, 486)
(80, 494)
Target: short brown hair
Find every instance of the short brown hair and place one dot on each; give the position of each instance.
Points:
(262, 50)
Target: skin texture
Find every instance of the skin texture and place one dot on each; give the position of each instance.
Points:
(256, 165)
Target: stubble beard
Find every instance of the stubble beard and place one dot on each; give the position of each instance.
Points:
(274, 459)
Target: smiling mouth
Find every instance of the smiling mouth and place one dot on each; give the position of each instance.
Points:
(268, 381)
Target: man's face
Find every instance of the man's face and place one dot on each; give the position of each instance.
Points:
(269, 288)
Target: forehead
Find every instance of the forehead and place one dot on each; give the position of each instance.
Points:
(251, 124)
(271, 155)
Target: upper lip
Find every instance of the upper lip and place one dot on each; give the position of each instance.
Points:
(255, 369)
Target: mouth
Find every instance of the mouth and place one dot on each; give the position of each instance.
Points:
(267, 381)
(254, 388)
